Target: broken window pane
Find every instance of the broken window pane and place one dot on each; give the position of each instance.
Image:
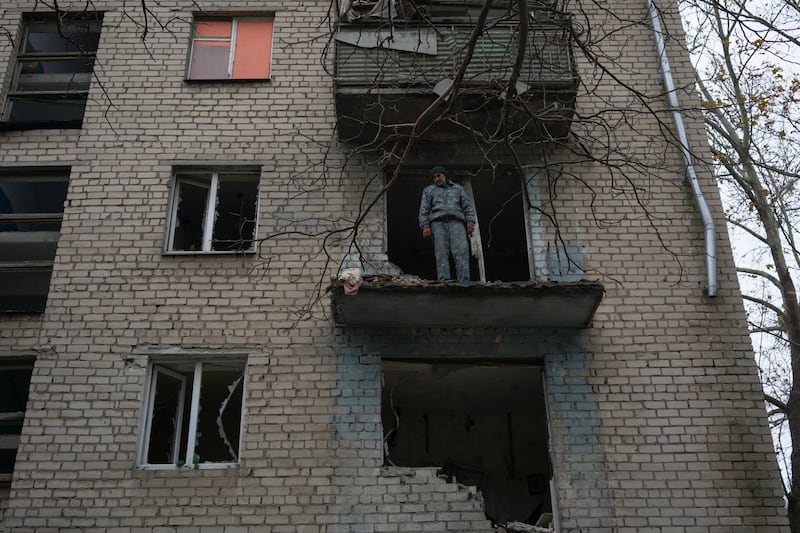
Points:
(166, 424)
(190, 217)
(234, 197)
(218, 407)
(220, 414)
(236, 213)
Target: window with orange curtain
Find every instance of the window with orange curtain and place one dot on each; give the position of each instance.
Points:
(231, 49)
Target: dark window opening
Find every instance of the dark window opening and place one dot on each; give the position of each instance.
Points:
(213, 212)
(54, 69)
(501, 219)
(499, 204)
(15, 379)
(189, 427)
(484, 425)
(31, 209)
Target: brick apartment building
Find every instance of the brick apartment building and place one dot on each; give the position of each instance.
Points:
(175, 354)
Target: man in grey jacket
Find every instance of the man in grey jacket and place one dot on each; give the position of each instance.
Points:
(446, 215)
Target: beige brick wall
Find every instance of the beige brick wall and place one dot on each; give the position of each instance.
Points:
(657, 420)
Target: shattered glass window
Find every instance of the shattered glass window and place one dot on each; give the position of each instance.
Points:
(166, 425)
(191, 211)
(236, 213)
(214, 212)
(194, 413)
(220, 417)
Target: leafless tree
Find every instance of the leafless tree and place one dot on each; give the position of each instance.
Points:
(750, 88)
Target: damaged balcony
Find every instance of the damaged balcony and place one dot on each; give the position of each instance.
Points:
(385, 77)
(399, 303)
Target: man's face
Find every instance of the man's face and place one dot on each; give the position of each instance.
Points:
(439, 179)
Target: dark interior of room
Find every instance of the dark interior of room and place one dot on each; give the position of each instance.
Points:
(483, 424)
(501, 221)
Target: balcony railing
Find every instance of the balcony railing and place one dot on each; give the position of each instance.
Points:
(386, 76)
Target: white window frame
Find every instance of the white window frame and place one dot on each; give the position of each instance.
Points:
(209, 218)
(143, 442)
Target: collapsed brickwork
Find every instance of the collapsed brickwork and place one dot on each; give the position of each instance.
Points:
(654, 415)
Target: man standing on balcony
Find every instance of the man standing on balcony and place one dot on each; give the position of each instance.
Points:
(446, 215)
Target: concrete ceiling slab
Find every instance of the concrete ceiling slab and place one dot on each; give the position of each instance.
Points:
(435, 304)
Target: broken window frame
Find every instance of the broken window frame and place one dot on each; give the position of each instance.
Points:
(186, 433)
(236, 44)
(69, 95)
(210, 180)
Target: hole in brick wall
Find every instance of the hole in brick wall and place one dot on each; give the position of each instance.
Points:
(484, 425)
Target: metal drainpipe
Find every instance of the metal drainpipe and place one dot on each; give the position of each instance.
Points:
(691, 176)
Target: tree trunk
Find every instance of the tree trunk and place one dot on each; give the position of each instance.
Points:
(791, 324)
(793, 416)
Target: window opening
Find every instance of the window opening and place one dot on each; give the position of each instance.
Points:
(54, 69)
(193, 414)
(231, 49)
(15, 379)
(31, 210)
(483, 424)
(501, 219)
(500, 233)
(213, 212)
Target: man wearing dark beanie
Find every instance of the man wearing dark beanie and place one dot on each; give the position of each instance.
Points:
(446, 215)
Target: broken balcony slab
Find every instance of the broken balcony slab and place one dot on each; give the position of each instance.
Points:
(398, 303)
(387, 77)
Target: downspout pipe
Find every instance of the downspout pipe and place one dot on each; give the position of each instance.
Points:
(691, 175)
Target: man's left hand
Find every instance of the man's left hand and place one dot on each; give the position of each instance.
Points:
(470, 228)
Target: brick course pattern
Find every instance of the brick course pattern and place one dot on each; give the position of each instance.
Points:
(657, 421)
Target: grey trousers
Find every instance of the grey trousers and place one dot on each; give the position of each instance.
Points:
(450, 238)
